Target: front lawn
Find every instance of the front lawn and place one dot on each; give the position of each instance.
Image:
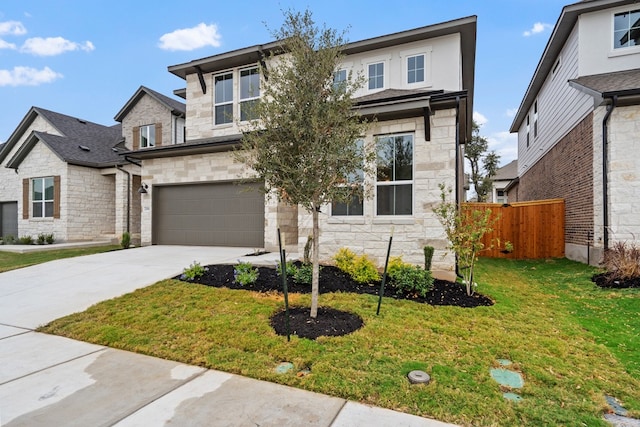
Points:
(572, 342)
(11, 260)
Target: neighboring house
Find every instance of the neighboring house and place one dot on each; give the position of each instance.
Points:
(502, 181)
(66, 176)
(420, 90)
(579, 125)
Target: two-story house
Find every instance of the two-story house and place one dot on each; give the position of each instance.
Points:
(579, 124)
(419, 87)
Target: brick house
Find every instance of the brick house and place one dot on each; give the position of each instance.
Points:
(579, 122)
(419, 88)
(66, 176)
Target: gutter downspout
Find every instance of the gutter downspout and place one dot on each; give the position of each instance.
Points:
(605, 162)
(457, 144)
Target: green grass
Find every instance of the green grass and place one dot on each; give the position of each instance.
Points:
(572, 342)
(11, 261)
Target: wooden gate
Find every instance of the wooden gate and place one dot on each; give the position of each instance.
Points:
(535, 229)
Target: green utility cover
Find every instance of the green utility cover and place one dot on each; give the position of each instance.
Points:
(507, 378)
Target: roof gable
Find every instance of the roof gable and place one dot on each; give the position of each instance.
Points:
(176, 107)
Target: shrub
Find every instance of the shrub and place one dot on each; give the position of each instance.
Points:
(290, 268)
(304, 274)
(408, 279)
(245, 274)
(49, 238)
(622, 261)
(364, 270)
(125, 242)
(194, 271)
(25, 240)
(41, 239)
(428, 256)
(8, 240)
(344, 259)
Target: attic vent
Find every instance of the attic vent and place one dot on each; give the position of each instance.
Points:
(84, 148)
(82, 121)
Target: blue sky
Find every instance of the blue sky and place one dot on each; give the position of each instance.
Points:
(87, 58)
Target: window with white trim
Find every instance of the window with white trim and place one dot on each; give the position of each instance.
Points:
(42, 197)
(415, 69)
(249, 93)
(148, 136)
(376, 75)
(626, 29)
(394, 175)
(528, 131)
(355, 206)
(223, 88)
(535, 119)
(339, 79)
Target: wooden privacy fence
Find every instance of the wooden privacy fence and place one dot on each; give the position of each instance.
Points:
(535, 229)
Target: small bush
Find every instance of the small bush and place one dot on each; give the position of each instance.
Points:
(304, 274)
(245, 274)
(25, 240)
(344, 259)
(194, 271)
(125, 242)
(8, 240)
(622, 261)
(41, 239)
(49, 238)
(428, 256)
(408, 279)
(364, 270)
(290, 268)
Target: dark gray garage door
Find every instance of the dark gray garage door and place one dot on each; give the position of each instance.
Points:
(9, 219)
(221, 214)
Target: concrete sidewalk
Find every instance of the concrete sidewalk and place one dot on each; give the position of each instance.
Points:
(48, 380)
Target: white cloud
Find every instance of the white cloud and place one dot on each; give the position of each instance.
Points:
(511, 112)
(191, 38)
(6, 45)
(53, 46)
(537, 28)
(27, 76)
(13, 28)
(505, 144)
(479, 118)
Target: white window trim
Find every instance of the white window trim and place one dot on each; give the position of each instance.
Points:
(622, 51)
(240, 99)
(404, 57)
(388, 183)
(142, 128)
(232, 102)
(385, 59)
(44, 201)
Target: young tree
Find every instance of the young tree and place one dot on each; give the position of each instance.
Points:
(484, 163)
(303, 144)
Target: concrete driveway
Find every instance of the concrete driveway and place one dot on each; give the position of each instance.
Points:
(47, 380)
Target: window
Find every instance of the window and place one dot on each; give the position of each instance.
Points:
(147, 136)
(179, 130)
(527, 131)
(626, 29)
(42, 197)
(535, 119)
(376, 75)
(249, 93)
(223, 88)
(355, 206)
(501, 196)
(394, 177)
(339, 77)
(415, 69)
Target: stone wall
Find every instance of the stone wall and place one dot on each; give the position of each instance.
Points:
(147, 111)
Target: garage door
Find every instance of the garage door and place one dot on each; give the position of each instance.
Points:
(9, 219)
(220, 214)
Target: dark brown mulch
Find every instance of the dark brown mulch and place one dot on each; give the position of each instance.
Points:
(331, 322)
(606, 280)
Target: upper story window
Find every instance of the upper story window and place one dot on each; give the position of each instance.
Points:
(626, 29)
(528, 131)
(535, 119)
(415, 69)
(376, 75)
(339, 77)
(42, 197)
(179, 129)
(394, 176)
(148, 136)
(249, 93)
(223, 87)
(355, 206)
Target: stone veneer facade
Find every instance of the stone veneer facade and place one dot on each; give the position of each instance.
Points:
(147, 111)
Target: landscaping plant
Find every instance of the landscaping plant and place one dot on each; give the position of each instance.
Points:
(49, 238)
(125, 242)
(407, 279)
(194, 271)
(359, 267)
(25, 240)
(622, 261)
(41, 239)
(428, 256)
(245, 274)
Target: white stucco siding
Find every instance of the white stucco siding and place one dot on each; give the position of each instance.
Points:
(560, 108)
(434, 163)
(597, 54)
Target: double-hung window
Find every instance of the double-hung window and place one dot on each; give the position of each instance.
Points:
(535, 119)
(376, 75)
(394, 176)
(249, 93)
(626, 29)
(415, 69)
(355, 206)
(148, 136)
(42, 197)
(339, 79)
(223, 87)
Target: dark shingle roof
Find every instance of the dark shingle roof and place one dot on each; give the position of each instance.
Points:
(507, 172)
(620, 81)
(175, 106)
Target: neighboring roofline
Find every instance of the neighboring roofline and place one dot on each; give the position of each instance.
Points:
(511, 184)
(143, 90)
(22, 127)
(201, 146)
(561, 31)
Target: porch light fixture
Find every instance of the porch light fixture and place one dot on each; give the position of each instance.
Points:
(143, 188)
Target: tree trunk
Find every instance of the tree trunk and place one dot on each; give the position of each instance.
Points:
(315, 278)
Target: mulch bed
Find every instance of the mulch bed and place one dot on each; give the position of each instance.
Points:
(606, 280)
(331, 322)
